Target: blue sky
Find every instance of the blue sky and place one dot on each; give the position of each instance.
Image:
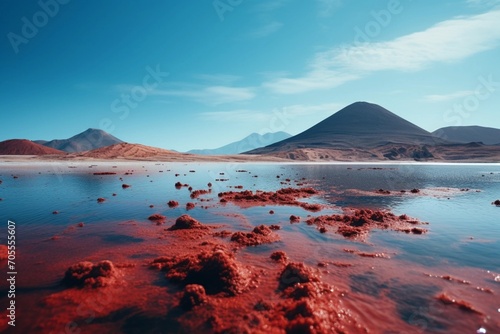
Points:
(182, 76)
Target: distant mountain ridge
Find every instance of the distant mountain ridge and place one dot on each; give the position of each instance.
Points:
(25, 147)
(248, 143)
(88, 140)
(469, 134)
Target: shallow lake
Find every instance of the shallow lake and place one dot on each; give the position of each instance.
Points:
(459, 256)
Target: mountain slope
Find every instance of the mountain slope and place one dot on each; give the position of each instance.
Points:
(469, 134)
(25, 147)
(248, 143)
(127, 151)
(85, 141)
(360, 125)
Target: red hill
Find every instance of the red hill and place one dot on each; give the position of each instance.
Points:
(25, 147)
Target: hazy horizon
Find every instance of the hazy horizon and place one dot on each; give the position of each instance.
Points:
(181, 76)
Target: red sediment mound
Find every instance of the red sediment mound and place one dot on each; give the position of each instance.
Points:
(462, 305)
(3, 252)
(217, 271)
(193, 295)
(125, 186)
(190, 206)
(279, 256)
(357, 223)
(294, 219)
(261, 234)
(157, 218)
(88, 274)
(101, 199)
(415, 191)
(197, 193)
(383, 192)
(285, 196)
(104, 173)
(186, 222)
(497, 202)
(172, 204)
(294, 273)
(179, 185)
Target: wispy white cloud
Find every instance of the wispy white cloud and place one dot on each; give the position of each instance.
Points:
(449, 96)
(328, 7)
(291, 112)
(448, 41)
(266, 30)
(211, 95)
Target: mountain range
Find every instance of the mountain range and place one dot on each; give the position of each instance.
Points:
(469, 134)
(88, 140)
(248, 143)
(359, 132)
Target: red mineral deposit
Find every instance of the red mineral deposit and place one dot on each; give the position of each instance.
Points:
(88, 274)
(172, 204)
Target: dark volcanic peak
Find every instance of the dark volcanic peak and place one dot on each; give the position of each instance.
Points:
(88, 140)
(25, 147)
(359, 125)
(469, 134)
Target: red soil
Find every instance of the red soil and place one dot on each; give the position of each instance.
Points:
(217, 271)
(157, 218)
(285, 196)
(356, 224)
(25, 147)
(197, 193)
(194, 295)
(186, 222)
(172, 204)
(260, 235)
(87, 274)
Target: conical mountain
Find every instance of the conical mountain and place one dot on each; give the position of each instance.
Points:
(359, 125)
(88, 140)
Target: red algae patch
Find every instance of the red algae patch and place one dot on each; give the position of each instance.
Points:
(190, 206)
(179, 185)
(261, 234)
(356, 224)
(217, 271)
(125, 186)
(101, 200)
(285, 196)
(186, 222)
(88, 274)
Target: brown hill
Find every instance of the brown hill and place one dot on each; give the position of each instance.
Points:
(88, 140)
(126, 151)
(25, 147)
